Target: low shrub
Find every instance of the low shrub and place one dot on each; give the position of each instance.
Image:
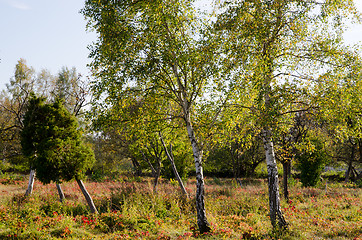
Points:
(311, 158)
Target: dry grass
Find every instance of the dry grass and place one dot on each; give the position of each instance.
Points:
(130, 210)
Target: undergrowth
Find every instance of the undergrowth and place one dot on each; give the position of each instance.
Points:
(130, 210)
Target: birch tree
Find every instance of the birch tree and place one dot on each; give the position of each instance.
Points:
(155, 48)
(280, 47)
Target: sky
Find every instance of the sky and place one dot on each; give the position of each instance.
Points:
(48, 34)
(51, 34)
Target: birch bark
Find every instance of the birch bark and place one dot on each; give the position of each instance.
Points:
(60, 192)
(29, 190)
(273, 181)
(174, 169)
(88, 197)
(202, 222)
(276, 215)
(183, 97)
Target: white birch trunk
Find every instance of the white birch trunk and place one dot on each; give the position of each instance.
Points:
(88, 198)
(202, 222)
(60, 192)
(200, 185)
(29, 190)
(276, 215)
(179, 180)
(273, 181)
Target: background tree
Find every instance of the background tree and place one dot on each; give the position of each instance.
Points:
(139, 131)
(111, 150)
(70, 86)
(340, 110)
(12, 107)
(153, 154)
(53, 143)
(13, 102)
(287, 142)
(236, 154)
(15, 97)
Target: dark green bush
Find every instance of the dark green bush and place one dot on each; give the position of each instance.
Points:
(311, 159)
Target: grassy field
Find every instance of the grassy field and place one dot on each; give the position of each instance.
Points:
(129, 210)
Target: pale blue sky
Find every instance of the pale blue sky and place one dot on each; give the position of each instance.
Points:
(46, 33)
(51, 34)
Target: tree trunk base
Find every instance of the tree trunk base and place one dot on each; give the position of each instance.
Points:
(285, 180)
(29, 190)
(204, 227)
(282, 223)
(60, 192)
(88, 198)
